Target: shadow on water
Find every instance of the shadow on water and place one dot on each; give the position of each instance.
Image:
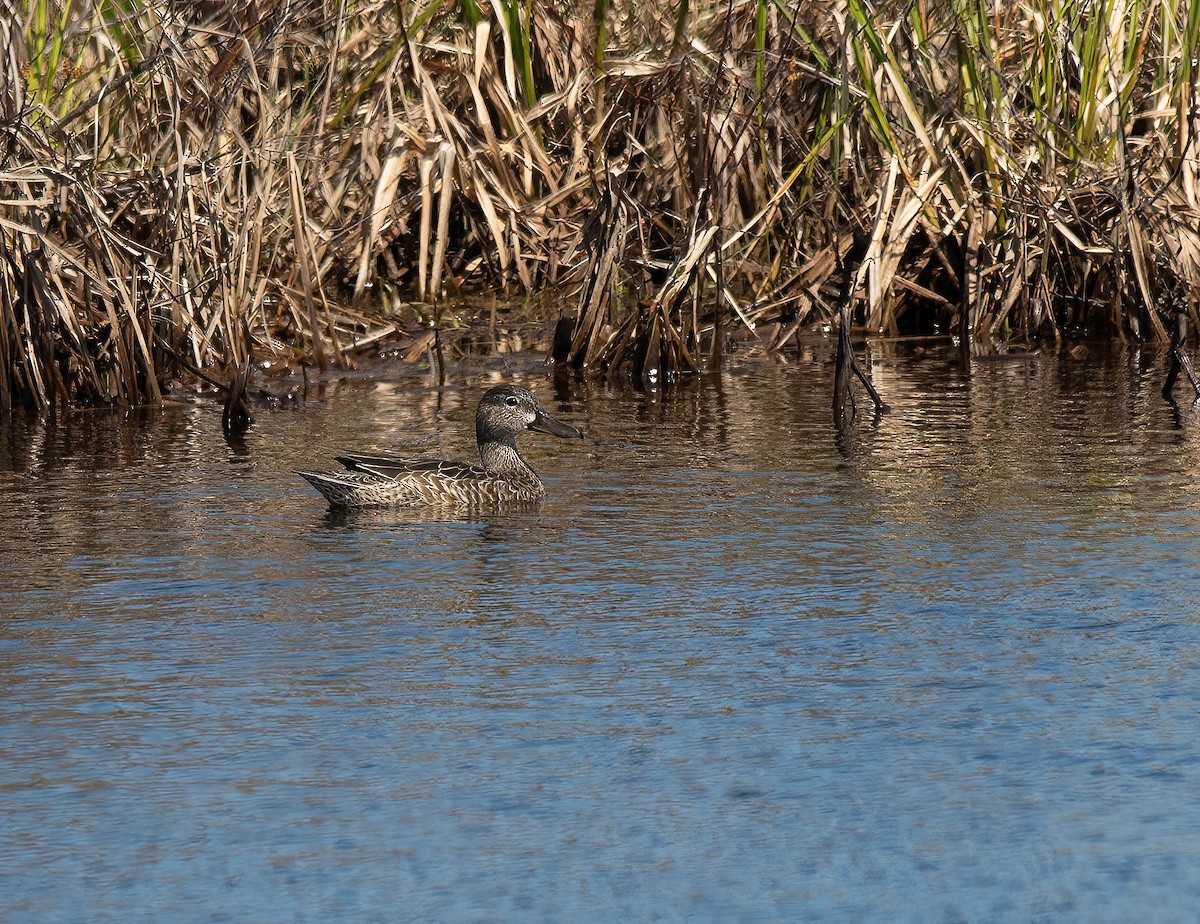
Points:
(1183, 416)
(849, 433)
(738, 663)
(238, 443)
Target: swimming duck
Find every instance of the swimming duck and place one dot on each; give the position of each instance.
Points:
(503, 412)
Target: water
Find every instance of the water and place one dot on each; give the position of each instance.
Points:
(735, 668)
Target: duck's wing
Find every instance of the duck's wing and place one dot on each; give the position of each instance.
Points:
(394, 468)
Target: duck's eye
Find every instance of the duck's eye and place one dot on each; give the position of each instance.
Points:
(510, 401)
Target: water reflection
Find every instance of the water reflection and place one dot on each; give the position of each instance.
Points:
(373, 519)
(738, 663)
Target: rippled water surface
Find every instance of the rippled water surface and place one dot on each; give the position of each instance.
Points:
(735, 667)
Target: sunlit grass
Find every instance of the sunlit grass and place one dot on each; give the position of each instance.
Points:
(268, 181)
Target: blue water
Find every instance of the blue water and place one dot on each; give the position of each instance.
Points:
(735, 668)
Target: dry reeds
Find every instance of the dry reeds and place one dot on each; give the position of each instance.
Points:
(268, 181)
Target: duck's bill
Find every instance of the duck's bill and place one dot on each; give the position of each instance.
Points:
(544, 423)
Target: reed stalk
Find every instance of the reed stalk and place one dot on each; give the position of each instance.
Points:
(274, 180)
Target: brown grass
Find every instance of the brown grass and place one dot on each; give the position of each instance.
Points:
(271, 181)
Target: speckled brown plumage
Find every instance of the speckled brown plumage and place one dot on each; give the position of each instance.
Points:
(503, 412)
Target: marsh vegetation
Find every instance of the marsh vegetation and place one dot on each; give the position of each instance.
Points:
(204, 185)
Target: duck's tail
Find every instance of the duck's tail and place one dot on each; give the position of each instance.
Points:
(344, 489)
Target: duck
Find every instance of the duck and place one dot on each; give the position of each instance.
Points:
(504, 412)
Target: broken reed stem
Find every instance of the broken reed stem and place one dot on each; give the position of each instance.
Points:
(1179, 361)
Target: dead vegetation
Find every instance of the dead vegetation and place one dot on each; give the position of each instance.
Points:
(206, 185)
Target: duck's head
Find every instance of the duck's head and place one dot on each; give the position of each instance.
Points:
(508, 410)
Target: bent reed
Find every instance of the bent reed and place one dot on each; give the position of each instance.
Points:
(199, 185)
